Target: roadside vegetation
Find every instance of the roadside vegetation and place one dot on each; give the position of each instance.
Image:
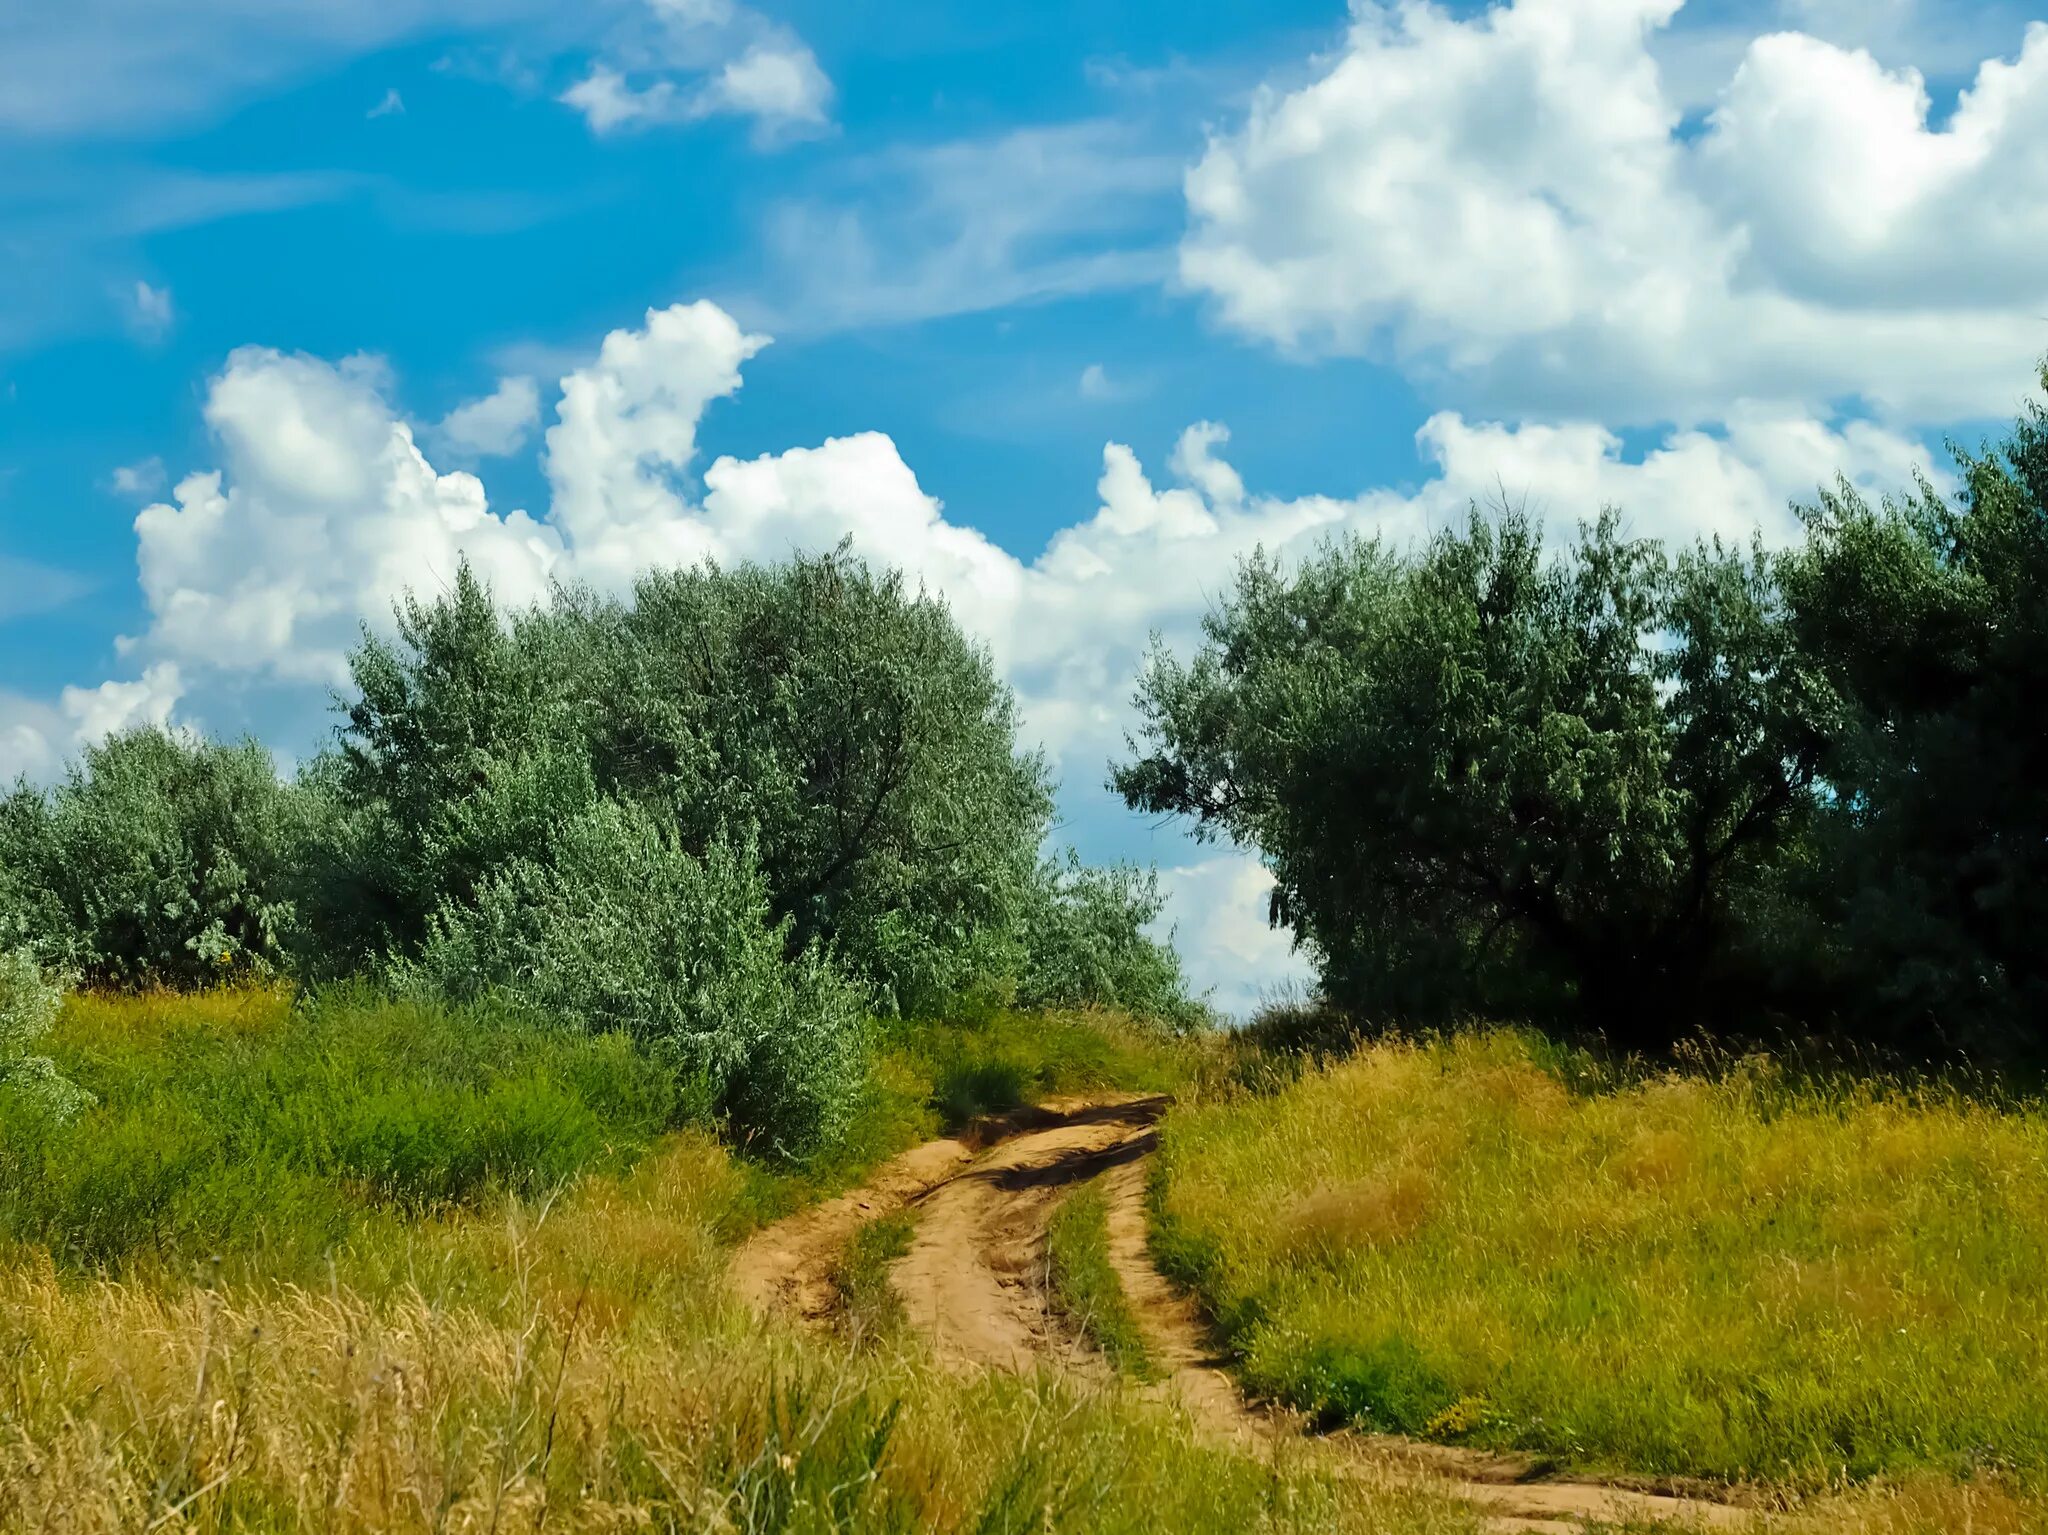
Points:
(1743, 1273)
(1083, 1283)
(869, 1309)
(428, 1319)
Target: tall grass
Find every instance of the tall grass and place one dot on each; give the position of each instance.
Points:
(240, 1124)
(557, 1356)
(1746, 1275)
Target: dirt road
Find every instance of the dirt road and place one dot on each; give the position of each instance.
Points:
(972, 1285)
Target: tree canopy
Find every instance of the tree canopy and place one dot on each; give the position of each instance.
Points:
(1642, 791)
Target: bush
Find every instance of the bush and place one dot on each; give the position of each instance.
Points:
(28, 1006)
(1085, 945)
(624, 931)
(1491, 784)
(158, 860)
(843, 728)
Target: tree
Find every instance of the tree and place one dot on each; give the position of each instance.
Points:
(158, 859)
(1487, 783)
(1930, 617)
(841, 726)
(1085, 944)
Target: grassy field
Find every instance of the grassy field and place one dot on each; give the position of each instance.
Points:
(252, 1132)
(519, 1333)
(1736, 1275)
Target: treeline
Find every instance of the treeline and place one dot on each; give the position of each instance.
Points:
(732, 816)
(1645, 793)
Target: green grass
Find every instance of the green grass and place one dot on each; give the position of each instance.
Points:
(1749, 1275)
(244, 1125)
(1084, 1286)
(262, 1129)
(869, 1307)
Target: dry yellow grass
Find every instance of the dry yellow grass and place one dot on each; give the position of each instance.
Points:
(575, 1367)
(1740, 1276)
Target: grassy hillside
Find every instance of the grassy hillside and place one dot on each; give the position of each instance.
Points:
(1748, 1276)
(470, 1281)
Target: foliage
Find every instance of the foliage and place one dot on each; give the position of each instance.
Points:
(623, 931)
(236, 1122)
(869, 1307)
(1740, 1272)
(1085, 945)
(1931, 618)
(29, 1001)
(1488, 783)
(159, 859)
(816, 712)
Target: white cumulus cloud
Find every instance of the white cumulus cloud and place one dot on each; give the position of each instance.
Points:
(1513, 200)
(496, 424)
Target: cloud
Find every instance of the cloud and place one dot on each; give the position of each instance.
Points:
(150, 313)
(325, 512)
(28, 587)
(101, 66)
(1101, 387)
(29, 732)
(140, 479)
(1515, 202)
(687, 60)
(322, 509)
(1217, 911)
(36, 738)
(96, 713)
(970, 225)
(390, 104)
(495, 425)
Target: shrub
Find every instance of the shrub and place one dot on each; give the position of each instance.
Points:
(625, 931)
(1085, 945)
(28, 1006)
(841, 726)
(159, 859)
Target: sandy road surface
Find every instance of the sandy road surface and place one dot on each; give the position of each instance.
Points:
(972, 1285)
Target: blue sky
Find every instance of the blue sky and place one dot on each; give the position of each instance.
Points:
(1071, 306)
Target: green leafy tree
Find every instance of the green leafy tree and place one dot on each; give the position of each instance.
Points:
(840, 725)
(456, 754)
(1085, 944)
(1930, 616)
(158, 859)
(1489, 782)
